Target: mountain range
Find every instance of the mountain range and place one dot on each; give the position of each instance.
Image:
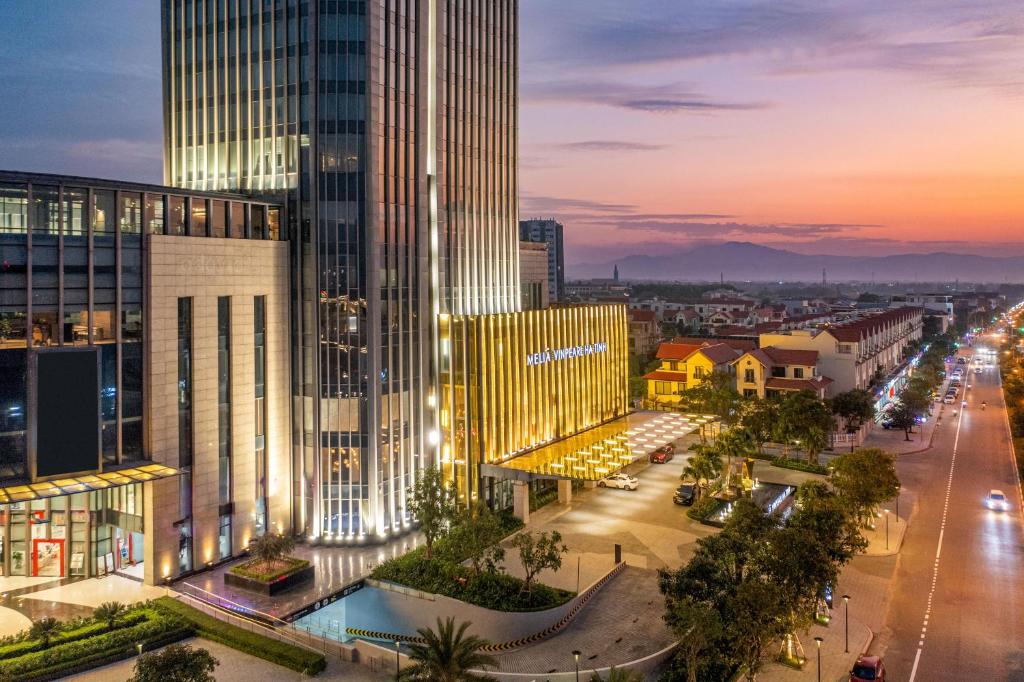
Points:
(744, 261)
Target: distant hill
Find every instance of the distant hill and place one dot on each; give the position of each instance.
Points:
(745, 261)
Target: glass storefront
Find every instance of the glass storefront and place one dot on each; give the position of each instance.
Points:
(80, 535)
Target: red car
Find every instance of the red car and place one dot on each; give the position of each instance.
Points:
(868, 669)
(663, 454)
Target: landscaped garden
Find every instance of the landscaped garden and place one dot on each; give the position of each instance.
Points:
(463, 559)
(52, 649)
(270, 570)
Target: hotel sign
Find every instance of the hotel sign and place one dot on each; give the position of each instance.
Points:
(556, 354)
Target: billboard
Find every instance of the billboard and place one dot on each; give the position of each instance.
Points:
(67, 411)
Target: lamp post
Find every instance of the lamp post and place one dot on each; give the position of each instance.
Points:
(846, 609)
(398, 659)
(886, 529)
(818, 641)
(576, 658)
(138, 646)
(897, 500)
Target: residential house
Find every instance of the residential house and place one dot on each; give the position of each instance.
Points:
(685, 366)
(768, 372)
(644, 332)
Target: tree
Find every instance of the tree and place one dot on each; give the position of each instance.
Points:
(447, 655)
(618, 675)
(804, 418)
(698, 628)
(756, 614)
(736, 442)
(270, 548)
(175, 663)
(902, 417)
(434, 503)
(109, 612)
(44, 630)
(538, 552)
(704, 465)
(855, 407)
(863, 479)
(477, 535)
(715, 394)
(821, 512)
(759, 418)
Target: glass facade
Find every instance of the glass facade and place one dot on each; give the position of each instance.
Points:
(390, 126)
(224, 422)
(185, 440)
(259, 330)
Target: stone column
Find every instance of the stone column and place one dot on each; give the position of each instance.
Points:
(564, 491)
(521, 501)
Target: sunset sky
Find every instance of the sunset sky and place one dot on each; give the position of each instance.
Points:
(647, 126)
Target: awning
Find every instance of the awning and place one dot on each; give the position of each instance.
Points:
(80, 484)
(602, 450)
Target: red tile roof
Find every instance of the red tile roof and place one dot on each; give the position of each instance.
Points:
(787, 356)
(738, 344)
(720, 353)
(665, 375)
(815, 384)
(642, 315)
(676, 351)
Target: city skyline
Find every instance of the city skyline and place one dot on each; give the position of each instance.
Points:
(846, 128)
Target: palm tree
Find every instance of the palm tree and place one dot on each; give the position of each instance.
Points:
(736, 442)
(109, 612)
(447, 655)
(702, 468)
(44, 629)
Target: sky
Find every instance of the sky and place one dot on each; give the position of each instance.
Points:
(649, 126)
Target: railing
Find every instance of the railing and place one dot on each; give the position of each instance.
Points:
(260, 623)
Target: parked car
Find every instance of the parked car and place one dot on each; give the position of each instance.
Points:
(663, 454)
(686, 494)
(868, 669)
(997, 500)
(977, 370)
(961, 360)
(949, 399)
(619, 480)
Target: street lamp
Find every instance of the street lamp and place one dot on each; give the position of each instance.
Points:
(887, 529)
(897, 502)
(846, 608)
(138, 647)
(818, 641)
(398, 659)
(576, 657)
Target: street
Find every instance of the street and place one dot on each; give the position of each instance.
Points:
(957, 594)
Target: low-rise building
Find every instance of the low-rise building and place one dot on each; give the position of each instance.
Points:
(644, 332)
(533, 275)
(685, 366)
(769, 372)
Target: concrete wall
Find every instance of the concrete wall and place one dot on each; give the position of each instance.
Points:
(204, 269)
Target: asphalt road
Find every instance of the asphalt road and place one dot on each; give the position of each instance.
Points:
(957, 599)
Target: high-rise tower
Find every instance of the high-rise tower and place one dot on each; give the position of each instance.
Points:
(388, 127)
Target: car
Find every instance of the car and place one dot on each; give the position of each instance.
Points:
(868, 669)
(620, 480)
(686, 494)
(961, 360)
(663, 454)
(997, 500)
(949, 399)
(888, 424)
(977, 370)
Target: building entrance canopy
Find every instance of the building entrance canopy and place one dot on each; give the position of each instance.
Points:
(602, 450)
(85, 483)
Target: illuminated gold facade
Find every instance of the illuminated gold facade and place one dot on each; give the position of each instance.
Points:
(513, 382)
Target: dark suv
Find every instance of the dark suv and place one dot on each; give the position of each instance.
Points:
(685, 494)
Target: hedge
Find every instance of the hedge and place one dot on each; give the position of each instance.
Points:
(703, 508)
(784, 463)
(284, 654)
(91, 629)
(154, 629)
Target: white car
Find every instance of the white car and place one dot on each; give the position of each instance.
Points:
(997, 500)
(619, 480)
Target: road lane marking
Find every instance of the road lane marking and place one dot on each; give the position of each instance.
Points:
(938, 548)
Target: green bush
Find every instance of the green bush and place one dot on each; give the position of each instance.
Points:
(248, 570)
(290, 656)
(68, 635)
(798, 465)
(703, 508)
(105, 645)
(445, 575)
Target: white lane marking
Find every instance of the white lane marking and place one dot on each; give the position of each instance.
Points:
(938, 548)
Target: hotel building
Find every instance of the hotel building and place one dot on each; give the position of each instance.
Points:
(144, 401)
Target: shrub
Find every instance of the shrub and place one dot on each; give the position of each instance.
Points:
(284, 654)
(259, 570)
(703, 508)
(72, 632)
(797, 465)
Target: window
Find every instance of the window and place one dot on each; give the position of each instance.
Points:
(698, 372)
(175, 215)
(749, 392)
(104, 210)
(13, 208)
(260, 373)
(46, 218)
(131, 213)
(218, 222)
(273, 224)
(224, 416)
(198, 226)
(184, 382)
(748, 376)
(237, 220)
(779, 372)
(663, 387)
(258, 220)
(798, 372)
(155, 214)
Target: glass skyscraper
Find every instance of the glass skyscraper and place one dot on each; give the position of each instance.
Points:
(388, 127)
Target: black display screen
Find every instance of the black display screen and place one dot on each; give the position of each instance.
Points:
(67, 412)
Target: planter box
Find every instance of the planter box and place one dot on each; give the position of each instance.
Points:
(273, 587)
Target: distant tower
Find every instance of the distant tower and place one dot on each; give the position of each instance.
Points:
(615, 273)
(721, 277)
(824, 279)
